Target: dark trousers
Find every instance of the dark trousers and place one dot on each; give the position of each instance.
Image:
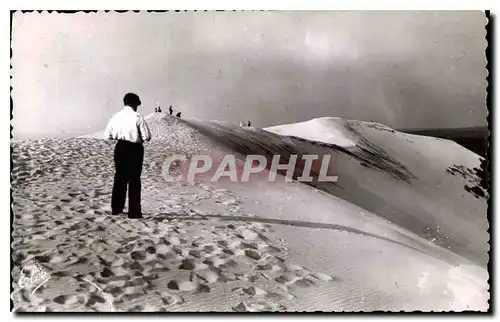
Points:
(128, 164)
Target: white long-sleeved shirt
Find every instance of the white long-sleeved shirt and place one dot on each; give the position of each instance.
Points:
(127, 125)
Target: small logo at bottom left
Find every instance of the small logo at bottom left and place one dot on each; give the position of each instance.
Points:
(35, 276)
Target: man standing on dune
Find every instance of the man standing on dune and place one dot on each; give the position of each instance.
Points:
(130, 130)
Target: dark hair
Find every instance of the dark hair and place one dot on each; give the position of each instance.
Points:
(131, 99)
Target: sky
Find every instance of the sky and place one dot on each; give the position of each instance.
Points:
(407, 69)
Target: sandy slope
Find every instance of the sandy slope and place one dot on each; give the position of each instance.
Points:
(213, 246)
(435, 200)
(419, 183)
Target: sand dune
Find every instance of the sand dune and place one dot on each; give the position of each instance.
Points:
(256, 246)
(420, 183)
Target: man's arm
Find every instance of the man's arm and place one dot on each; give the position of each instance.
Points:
(144, 129)
(108, 132)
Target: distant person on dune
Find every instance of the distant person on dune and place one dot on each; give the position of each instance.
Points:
(170, 110)
(159, 109)
(249, 124)
(130, 130)
(179, 114)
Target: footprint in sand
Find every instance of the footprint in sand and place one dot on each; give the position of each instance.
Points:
(287, 278)
(256, 292)
(220, 262)
(258, 307)
(171, 299)
(67, 300)
(302, 283)
(253, 291)
(253, 254)
(187, 286)
(192, 265)
(269, 267)
(323, 277)
(208, 276)
(138, 255)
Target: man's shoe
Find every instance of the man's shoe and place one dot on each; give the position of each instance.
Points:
(135, 216)
(116, 213)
